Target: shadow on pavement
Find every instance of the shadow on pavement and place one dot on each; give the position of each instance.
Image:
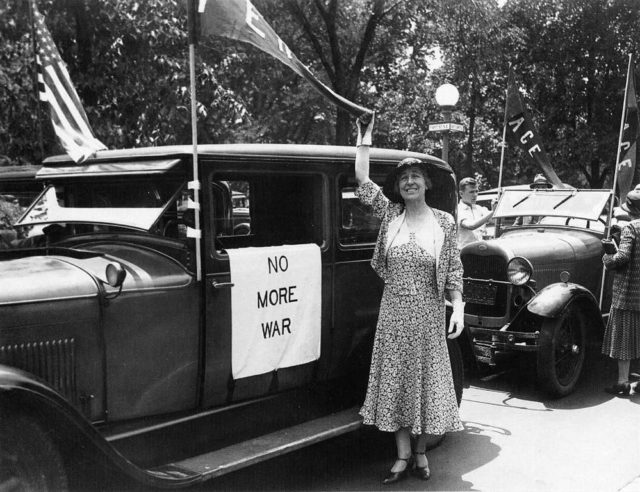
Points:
(359, 461)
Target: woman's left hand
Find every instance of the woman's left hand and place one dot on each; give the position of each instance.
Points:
(456, 323)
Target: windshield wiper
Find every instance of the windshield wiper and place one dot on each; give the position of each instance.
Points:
(564, 200)
(519, 202)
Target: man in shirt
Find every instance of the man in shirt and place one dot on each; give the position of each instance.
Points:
(471, 217)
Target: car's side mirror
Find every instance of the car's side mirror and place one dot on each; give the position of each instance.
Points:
(115, 274)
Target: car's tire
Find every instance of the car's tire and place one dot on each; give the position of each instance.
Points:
(562, 348)
(242, 229)
(29, 459)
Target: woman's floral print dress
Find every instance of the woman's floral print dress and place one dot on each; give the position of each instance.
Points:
(410, 380)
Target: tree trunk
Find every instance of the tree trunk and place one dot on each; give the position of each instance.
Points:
(343, 128)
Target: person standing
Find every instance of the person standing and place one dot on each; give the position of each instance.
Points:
(622, 335)
(471, 217)
(410, 390)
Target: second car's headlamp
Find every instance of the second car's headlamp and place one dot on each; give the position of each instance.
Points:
(519, 270)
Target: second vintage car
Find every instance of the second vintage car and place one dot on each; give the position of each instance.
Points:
(535, 289)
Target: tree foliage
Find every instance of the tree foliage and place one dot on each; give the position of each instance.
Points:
(129, 62)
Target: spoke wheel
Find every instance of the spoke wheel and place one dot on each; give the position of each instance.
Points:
(561, 352)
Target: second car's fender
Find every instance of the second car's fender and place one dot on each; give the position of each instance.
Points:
(552, 299)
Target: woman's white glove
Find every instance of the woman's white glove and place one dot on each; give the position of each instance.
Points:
(364, 138)
(456, 322)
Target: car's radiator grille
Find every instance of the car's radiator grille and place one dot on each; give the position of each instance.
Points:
(52, 360)
(484, 268)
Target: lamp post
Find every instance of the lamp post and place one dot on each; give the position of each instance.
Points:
(447, 97)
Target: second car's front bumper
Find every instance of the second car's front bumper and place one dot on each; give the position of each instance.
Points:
(490, 346)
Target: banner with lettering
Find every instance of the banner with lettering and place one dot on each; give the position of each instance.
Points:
(630, 130)
(519, 127)
(275, 307)
(239, 20)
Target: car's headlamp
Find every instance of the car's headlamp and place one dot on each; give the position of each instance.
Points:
(519, 270)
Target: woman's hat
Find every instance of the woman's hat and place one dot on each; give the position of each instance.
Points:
(632, 203)
(390, 189)
(540, 181)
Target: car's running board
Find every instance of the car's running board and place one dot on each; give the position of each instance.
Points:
(250, 452)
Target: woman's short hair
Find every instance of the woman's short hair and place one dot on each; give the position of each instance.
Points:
(391, 189)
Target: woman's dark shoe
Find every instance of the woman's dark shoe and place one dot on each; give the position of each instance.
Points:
(619, 389)
(394, 477)
(422, 472)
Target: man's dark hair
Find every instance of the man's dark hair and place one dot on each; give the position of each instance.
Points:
(464, 182)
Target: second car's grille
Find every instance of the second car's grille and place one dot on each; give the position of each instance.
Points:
(485, 268)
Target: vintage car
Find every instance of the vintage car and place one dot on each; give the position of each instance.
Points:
(535, 289)
(135, 344)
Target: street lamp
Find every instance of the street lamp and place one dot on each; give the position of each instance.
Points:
(447, 97)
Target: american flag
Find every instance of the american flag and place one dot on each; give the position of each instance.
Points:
(55, 87)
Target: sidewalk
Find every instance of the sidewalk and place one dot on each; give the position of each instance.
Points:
(633, 486)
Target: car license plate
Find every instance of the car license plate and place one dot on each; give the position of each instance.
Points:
(478, 293)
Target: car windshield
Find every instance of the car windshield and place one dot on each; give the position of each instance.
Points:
(133, 204)
(582, 204)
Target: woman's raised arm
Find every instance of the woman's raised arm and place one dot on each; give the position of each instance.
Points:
(362, 150)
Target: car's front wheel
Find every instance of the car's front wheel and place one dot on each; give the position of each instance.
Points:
(562, 348)
(29, 460)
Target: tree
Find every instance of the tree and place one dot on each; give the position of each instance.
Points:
(573, 66)
(128, 63)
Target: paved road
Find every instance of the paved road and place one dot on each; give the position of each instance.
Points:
(514, 439)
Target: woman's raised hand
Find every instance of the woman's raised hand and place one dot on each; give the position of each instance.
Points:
(365, 121)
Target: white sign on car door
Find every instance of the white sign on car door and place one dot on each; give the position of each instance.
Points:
(275, 307)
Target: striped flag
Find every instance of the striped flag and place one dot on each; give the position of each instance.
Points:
(55, 87)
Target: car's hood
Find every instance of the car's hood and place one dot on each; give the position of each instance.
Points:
(39, 278)
(81, 273)
(544, 245)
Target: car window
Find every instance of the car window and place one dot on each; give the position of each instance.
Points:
(266, 210)
(133, 203)
(357, 222)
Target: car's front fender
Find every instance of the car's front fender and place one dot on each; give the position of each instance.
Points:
(554, 298)
(22, 392)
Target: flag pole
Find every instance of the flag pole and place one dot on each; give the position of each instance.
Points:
(195, 184)
(615, 172)
(35, 79)
(504, 140)
(503, 144)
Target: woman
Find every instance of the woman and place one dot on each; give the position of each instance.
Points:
(411, 389)
(622, 336)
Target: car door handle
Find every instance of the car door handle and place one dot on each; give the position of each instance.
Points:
(221, 285)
